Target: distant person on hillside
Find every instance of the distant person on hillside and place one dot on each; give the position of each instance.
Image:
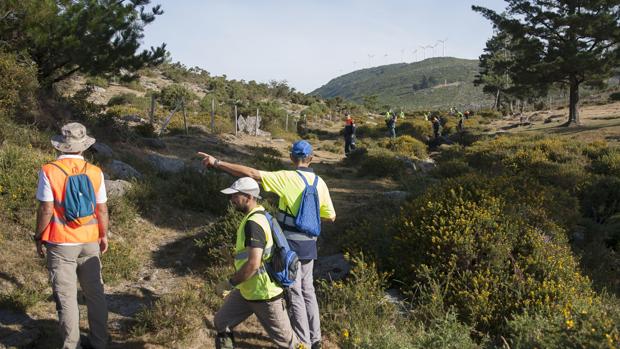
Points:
(460, 126)
(71, 231)
(250, 290)
(390, 122)
(302, 126)
(289, 186)
(436, 127)
(349, 135)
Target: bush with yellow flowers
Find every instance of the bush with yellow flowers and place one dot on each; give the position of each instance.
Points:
(406, 146)
(492, 258)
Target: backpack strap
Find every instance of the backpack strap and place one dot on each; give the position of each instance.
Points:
(60, 167)
(65, 169)
(264, 213)
(316, 179)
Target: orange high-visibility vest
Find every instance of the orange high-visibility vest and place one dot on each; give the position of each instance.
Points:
(58, 230)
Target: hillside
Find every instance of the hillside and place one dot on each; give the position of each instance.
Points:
(507, 237)
(402, 85)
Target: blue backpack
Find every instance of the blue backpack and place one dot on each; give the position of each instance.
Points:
(79, 203)
(308, 218)
(282, 267)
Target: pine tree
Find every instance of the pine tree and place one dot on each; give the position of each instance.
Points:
(560, 41)
(95, 37)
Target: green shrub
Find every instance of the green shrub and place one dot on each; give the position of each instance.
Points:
(123, 99)
(188, 190)
(175, 93)
(18, 182)
(216, 241)
(382, 164)
(23, 298)
(601, 199)
(614, 96)
(451, 168)
(608, 163)
(97, 81)
(417, 128)
(134, 85)
(587, 323)
(122, 213)
(491, 258)
(121, 262)
(174, 316)
(356, 310)
(18, 84)
(267, 158)
(406, 146)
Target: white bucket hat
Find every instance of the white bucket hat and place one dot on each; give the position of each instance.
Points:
(244, 185)
(73, 139)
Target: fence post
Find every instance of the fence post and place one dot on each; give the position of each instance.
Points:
(152, 111)
(212, 115)
(184, 116)
(236, 120)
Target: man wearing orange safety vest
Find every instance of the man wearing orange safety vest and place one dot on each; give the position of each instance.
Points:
(72, 242)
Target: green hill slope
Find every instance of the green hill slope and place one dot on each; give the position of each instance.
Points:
(448, 83)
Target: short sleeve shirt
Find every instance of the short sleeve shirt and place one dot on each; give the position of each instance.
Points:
(44, 188)
(289, 187)
(254, 235)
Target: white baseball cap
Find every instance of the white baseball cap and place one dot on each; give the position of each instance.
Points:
(244, 185)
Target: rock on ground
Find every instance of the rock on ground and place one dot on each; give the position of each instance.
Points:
(333, 267)
(166, 164)
(117, 188)
(102, 149)
(121, 170)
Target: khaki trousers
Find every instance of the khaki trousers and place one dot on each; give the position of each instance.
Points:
(67, 265)
(271, 314)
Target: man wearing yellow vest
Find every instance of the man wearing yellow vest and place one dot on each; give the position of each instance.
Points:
(253, 290)
(73, 244)
(289, 186)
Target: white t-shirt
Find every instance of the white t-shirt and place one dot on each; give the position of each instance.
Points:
(45, 194)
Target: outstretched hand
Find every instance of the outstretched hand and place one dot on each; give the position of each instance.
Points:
(207, 160)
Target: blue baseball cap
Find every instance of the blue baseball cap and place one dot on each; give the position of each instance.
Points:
(301, 149)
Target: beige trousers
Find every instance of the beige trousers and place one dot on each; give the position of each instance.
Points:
(271, 314)
(67, 265)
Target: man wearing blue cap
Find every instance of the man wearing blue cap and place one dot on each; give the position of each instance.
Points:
(289, 185)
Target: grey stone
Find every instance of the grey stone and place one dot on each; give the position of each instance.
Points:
(154, 143)
(396, 195)
(425, 165)
(166, 164)
(117, 188)
(102, 149)
(334, 267)
(121, 170)
(407, 162)
(133, 118)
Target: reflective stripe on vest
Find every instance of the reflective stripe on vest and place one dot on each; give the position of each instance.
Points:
(245, 255)
(287, 222)
(259, 286)
(60, 231)
(61, 221)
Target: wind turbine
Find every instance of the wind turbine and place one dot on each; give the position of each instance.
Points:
(370, 60)
(386, 58)
(415, 55)
(402, 55)
(423, 52)
(443, 46)
(433, 46)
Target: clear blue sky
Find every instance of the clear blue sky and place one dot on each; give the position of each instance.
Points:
(308, 43)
